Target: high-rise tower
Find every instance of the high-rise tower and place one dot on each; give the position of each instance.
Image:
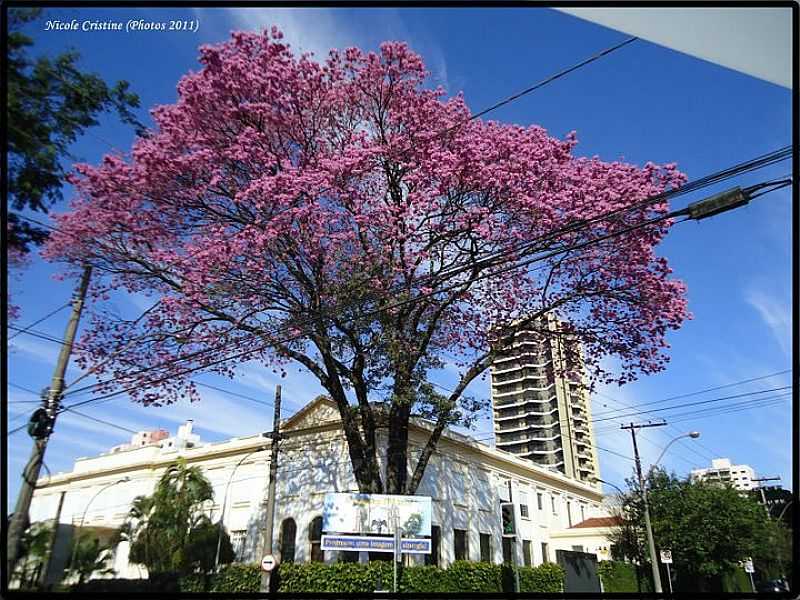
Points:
(539, 413)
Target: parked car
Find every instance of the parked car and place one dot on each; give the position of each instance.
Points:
(772, 585)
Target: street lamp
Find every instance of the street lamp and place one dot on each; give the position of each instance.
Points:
(648, 525)
(83, 517)
(692, 434)
(225, 499)
(598, 480)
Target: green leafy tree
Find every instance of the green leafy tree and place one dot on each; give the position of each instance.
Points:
(90, 557)
(51, 102)
(710, 528)
(169, 531)
(35, 546)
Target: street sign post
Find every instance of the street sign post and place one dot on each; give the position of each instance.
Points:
(268, 563)
(749, 569)
(666, 558)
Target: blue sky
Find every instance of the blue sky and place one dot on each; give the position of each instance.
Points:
(642, 103)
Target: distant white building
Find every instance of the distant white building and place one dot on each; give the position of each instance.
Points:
(739, 476)
(466, 480)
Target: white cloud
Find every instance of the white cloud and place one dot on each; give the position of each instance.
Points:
(45, 352)
(776, 314)
(319, 30)
(306, 30)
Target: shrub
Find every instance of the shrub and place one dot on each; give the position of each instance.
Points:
(617, 576)
(194, 582)
(235, 578)
(547, 577)
(465, 576)
(339, 577)
(423, 579)
(461, 576)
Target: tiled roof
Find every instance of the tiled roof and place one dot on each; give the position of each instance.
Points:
(599, 522)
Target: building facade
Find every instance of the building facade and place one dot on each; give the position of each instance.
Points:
(540, 414)
(722, 471)
(466, 480)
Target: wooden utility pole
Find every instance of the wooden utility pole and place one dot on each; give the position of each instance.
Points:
(266, 576)
(643, 486)
(50, 405)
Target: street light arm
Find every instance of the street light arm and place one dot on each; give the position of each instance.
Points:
(225, 501)
(691, 434)
(83, 517)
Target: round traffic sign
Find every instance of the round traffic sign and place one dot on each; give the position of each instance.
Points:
(268, 563)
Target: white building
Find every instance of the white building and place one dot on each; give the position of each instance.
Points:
(739, 476)
(466, 480)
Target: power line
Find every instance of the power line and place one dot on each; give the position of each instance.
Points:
(103, 421)
(630, 407)
(703, 391)
(748, 165)
(594, 420)
(689, 404)
(44, 318)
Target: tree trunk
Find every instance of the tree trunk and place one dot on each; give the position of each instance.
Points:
(397, 451)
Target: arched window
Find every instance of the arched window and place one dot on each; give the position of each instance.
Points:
(288, 535)
(315, 538)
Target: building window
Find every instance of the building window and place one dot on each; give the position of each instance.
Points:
(288, 534)
(523, 506)
(577, 548)
(432, 559)
(526, 552)
(569, 514)
(545, 553)
(539, 500)
(553, 504)
(315, 539)
(486, 547)
(238, 539)
(583, 512)
(460, 544)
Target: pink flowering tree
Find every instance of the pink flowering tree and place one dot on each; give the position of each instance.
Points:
(341, 217)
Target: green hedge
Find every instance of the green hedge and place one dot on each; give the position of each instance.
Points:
(461, 576)
(617, 576)
(236, 578)
(548, 577)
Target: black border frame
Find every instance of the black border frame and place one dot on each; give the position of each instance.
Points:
(795, 360)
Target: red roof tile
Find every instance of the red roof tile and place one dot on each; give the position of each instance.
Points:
(599, 522)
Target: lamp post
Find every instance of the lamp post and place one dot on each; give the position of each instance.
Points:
(691, 434)
(83, 517)
(225, 501)
(616, 487)
(643, 483)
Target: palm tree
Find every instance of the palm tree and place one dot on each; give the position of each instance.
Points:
(89, 558)
(169, 531)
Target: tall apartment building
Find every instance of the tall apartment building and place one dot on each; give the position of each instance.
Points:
(722, 471)
(538, 414)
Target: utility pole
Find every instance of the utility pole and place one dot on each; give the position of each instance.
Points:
(642, 485)
(47, 418)
(760, 481)
(51, 544)
(266, 576)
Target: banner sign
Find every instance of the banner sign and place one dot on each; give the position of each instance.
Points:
(374, 544)
(376, 513)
